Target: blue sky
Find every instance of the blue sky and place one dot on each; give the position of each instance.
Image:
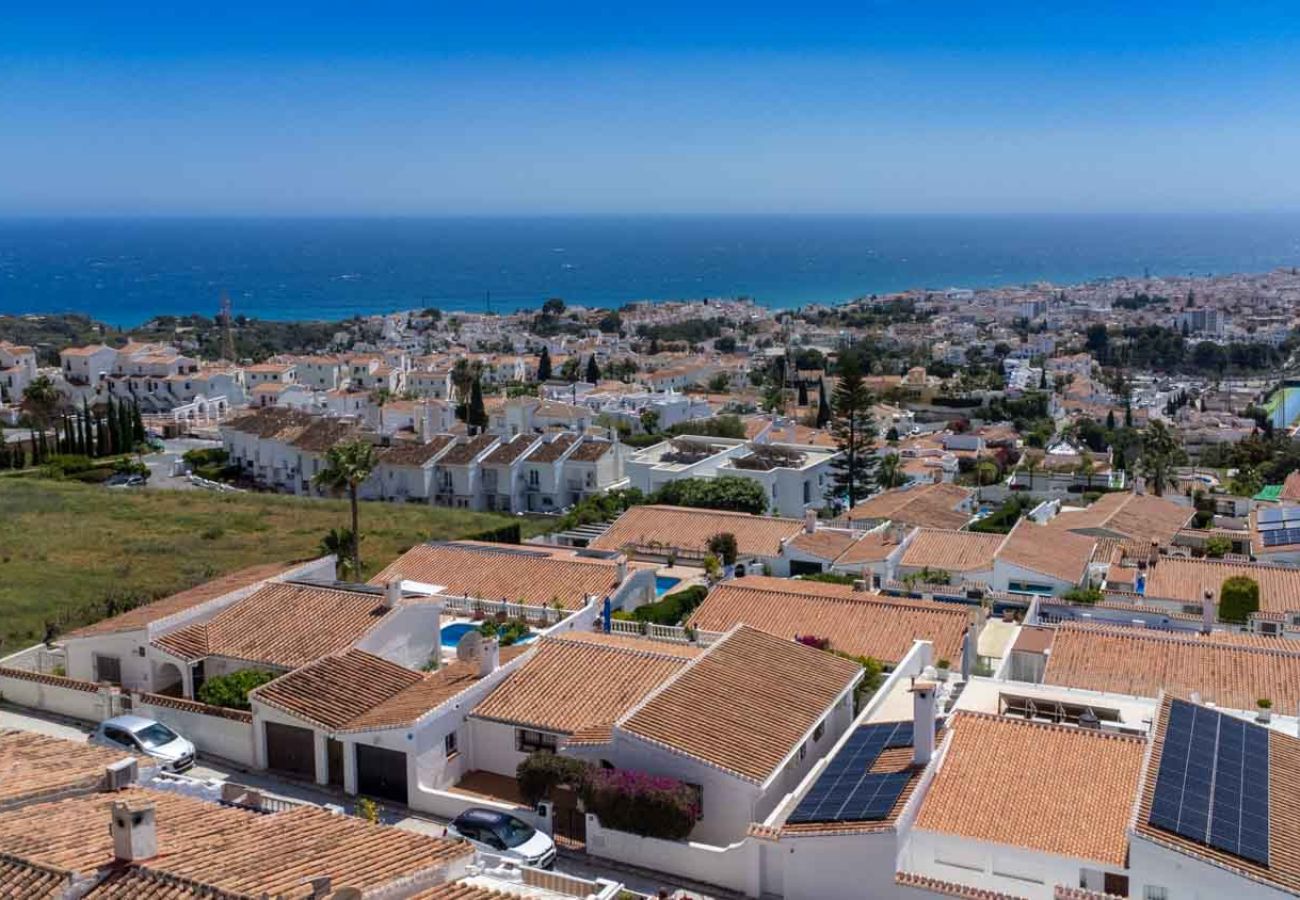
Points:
(491, 108)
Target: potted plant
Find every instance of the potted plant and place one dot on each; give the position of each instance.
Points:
(943, 667)
(1265, 709)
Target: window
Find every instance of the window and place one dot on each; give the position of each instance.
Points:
(807, 492)
(529, 741)
(534, 477)
(803, 751)
(1155, 892)
(108, 668)
(449, 744)
(819, 731)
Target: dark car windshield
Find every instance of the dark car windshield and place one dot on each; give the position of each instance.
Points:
(513, 832)
(155, 735)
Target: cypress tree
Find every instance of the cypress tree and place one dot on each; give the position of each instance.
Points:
(803, 394)
(36, 450)
(137, 422)
(544, 365)
(823, 406)
(102, 447)
(477, 411)
(593, 370)
(86, 447)
(126, 427)
(114, 436)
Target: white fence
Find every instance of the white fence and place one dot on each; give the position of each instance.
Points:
(735, 867)
(672, 634)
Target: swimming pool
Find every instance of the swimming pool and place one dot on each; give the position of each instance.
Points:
(451, 634)
(664, 584)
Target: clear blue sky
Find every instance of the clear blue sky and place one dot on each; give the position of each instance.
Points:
(488, 108)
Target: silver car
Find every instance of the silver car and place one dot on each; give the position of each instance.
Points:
(136, 734)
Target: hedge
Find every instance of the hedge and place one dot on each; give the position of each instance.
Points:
(505, 534)
(672, 608)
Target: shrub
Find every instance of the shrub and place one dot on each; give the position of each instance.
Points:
(231, 690)
(506, 534)
(541, 772)
(672, 608)
(1088, 595)
(1217, 546)
(509, 632)
(729, 492)
(368, 810)
(723, 546)
(1238, 599)
(829, 578)
(648, 805)
(817, 643)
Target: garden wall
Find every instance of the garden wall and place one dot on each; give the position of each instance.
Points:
(227, 733)
(735, 867)
(70, 697)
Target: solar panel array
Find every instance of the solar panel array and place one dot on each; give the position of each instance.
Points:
(1277, 519)
(847, 791)
(1280, 537)
(1212, 786)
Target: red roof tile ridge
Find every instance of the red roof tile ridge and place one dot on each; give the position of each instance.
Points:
(1057, 727)
(1174, 637)
(719, 512)
(638, 652)
(950, 888)
(870, 597)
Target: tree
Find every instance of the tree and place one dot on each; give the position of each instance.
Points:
(347, 466)
(1110, 420)
(650, 420)
(41, 400)
(1217, 546)
(891, 436)
(1161, 455)
(730, 492)
(553, 307)
(1238, 598)
(823, 405)
(593, 370)
(803, 394)
(477, 416)
(890, 474)
(1085, 469)
(854, 430)
(338, 543)
(723, 546)
(1031, 462)
(231, 690)
(544, 365)
(774, 398)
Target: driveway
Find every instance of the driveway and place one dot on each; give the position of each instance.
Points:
(161, 464)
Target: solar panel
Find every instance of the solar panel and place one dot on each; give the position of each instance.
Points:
(1270, 515)
(1212, 786)
(1281, 536)
(1265, 527)
(847, 791)
(1291, 514)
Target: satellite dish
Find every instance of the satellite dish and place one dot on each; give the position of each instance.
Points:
(470, 646)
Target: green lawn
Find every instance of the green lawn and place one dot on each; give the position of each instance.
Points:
(70, 552)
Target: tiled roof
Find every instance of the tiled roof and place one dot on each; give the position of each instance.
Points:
(465, 452)
(281, 423)
(1064, 555)
(980, 790)
(1290, 487)
(414, 454)
(324, 433)
(141, 616)
(431, 691)
(1283, 869)
(1140, 517)
(509, 451)
(858, 623)
(550, 451)
(1187, 580)
(226, 848)
(591, 449)
(281, 624)
(949, 888)
(926, 506)
(952, 551)
(19, 879)
(492, 572)
(825, 543)
(570, 685)
(1144, 662)
(685, 528)
(34, 765)
(874, 546)
(745, 703)
(337, 689)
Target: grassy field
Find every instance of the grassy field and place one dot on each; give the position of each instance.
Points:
(70, 553)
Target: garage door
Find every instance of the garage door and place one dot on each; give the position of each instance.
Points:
(381, 773)
(291, 750)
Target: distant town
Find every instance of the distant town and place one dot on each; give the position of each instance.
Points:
(964, 593)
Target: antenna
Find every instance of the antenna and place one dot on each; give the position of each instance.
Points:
(228, 335)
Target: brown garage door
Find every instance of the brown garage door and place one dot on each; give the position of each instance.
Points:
(291, 750)
(381, 773)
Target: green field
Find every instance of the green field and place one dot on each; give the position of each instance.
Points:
(70, 553)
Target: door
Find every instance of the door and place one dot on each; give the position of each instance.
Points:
(381, 773)
(291, 750)
(335, 753)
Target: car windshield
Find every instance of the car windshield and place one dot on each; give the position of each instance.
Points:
(155, 735)
(513, 832)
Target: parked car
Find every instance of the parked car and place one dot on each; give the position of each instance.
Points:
(136, 734)
(124, 480)
(502, 834)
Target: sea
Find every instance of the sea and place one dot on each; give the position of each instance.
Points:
(124, 271)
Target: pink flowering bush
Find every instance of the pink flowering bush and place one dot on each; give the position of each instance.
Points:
(817, 643)
(648, 805)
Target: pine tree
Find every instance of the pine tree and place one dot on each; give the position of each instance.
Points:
(823, 406)
(593, 370)
(854, 429)
(477, 411)
(544, 365)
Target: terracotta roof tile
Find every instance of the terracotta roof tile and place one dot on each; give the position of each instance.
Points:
(337, 689)
(573, 684)
(465, 452)
(1143, 662)
(952, 551)
(744, 704)
(34, 766)
(509, 451)
(495, 571)
(1187, 580)
(1063, 555)
(414, 454)
(925, 506)
(1081, 811)
(1139, 517)
(690, 529)
(281, 624)
(29, 881)
(856, 622)
(591, 449)
(550, 451)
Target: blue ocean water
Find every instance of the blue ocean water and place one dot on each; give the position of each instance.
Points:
(124, 271)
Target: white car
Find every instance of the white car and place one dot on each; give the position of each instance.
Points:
(501, 834)
(136, 734)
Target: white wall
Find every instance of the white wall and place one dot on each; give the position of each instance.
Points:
(1017, 871)
(838, 867)
(493, 747)
(228, 738)
(735, 866)
(1186, 878)
(46, 693)
(126, 646)
(408, 635)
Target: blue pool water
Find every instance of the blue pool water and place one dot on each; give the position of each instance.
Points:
(664, 584)
(451, 634)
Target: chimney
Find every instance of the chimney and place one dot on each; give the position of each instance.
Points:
(134, 831)
(392, 593)
(1208, 613)
(490, 661)
(923, 708)
(860, 584)
(968, 651)
(622, 569)
(810, 520)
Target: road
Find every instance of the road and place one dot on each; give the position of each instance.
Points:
(210, 769)
(161, 464)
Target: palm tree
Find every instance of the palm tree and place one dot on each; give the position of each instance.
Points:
(1161, 456)
(1085, 468)
(890, 474)
(41, 400)
(1032, 461)
(347, 466)
(338, 542)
